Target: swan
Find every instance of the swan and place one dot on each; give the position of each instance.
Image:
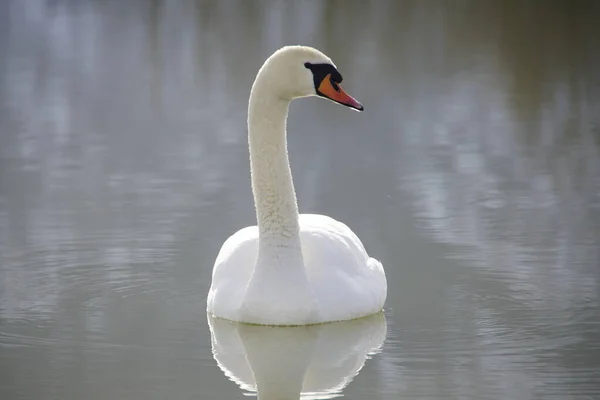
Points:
(291, 269)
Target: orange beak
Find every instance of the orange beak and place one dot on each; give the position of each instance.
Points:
(337, 94)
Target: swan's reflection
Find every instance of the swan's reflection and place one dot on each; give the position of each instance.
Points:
(309, 362)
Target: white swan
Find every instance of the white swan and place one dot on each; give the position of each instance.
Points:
(291, 269)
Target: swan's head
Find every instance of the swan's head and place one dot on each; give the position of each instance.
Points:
(300, 71)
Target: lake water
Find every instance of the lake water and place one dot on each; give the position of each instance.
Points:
(473, 174)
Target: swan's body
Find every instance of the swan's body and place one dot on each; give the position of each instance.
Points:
(291, 269)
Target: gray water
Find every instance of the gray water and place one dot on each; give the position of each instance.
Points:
(473, 175)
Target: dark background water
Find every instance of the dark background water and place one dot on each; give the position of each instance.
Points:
(474, 175)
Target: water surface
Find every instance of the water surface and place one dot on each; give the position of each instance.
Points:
(473, 175)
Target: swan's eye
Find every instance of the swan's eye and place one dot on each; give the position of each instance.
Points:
(335, 85)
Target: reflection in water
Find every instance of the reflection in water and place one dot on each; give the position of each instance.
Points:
(475, 167)
(312, 362)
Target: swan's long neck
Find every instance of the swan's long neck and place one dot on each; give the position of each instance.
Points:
(272, 185)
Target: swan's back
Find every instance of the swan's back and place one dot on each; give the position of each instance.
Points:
(345, 281)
